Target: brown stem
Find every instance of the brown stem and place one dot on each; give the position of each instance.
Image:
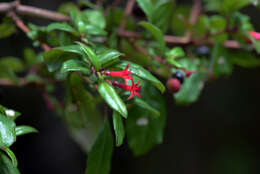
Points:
(25, 10)
(128, 10)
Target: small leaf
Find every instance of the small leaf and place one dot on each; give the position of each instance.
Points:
(118, 128)
(108, 57)
(7, 28)
(174, 62)
(96, 18)
(142, 73)
(14, 64)
(109, 94)
(21, 130)
(156, 33)
(99, 158)
(60, 26)
(75, 65)
(175, 53)
(91, 55)
(10, 153)
(7, 166)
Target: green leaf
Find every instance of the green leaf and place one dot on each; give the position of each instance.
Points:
(142, 73)
(178, 25)
(91, 55)
(217, 23)
(174, 62)
(244, 59)
(61, 26)
(108, 57)
(29, 56)
(55, 57)
(190, 89)
(143, 130)
(156, 33)
(99, 158)
(6, 165)
(96, 18)
(109, 94)
(142, 104)
(21, 130)
(75, 65)
(10, 153)
(93, 30)
(221, 62)
(229, 6)
(147, 7)
(7, 28)
(14, 64)
(9, 112)
(118, 128)
(175, 53)
(7, 131)
(81, 113)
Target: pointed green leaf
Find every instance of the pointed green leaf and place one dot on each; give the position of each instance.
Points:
(175, 53)
(142, 104)
(99, 158)
(75, 65)
(118, 128)
(108, 57)
(21, 130)
(61, 26)
(10, 153)
(109, 94)
(147, 7)
(6, 165)
(142, 73)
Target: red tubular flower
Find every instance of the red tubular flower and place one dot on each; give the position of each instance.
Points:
(125, 74)
(188, 73)
(134, 88)
(254, 34)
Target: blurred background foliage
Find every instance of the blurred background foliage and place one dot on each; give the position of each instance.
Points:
(218, 134)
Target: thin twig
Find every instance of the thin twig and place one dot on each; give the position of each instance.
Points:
(25, 10)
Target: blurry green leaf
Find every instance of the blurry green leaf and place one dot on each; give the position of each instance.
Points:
(180, 14)
(244, 59)
(175, 53)
(202, 26)
(21, 130)
(67, 7)
(109, 94)
(7, 131)
(221, 62)
(173, 62)
(229, 6)
(78, 20)
(7, 28)
(108, 57)
(96, 18)
(6, 165)
(75, 65)
(147, 7)
(99, 158)
(118, 128)
(190, 89)
(143, 130)
(217, 23)
(29, 56)
(10, 153)
(14, 64)
(91, 55)
(93, 30)
(142, 73)
(142, 104)
(156, 33)
(60, 26)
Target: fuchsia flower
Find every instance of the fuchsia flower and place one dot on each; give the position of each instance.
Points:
(126, 74)
(134, 88)
(254, 34)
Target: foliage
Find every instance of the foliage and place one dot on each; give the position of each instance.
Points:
(99, 67)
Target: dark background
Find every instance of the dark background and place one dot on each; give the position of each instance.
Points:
(218, 134)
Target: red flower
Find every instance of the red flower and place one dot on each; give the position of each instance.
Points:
(134, 88)
(188, 73)
(254, 34)
(125, 74)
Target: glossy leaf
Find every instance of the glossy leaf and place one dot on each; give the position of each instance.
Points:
(190, 89)
(118, 128)
(22, 130)
(143, 130)
(109, 94)
(96, 18)
(75, 65)
(91, 55)
(147, 7)
(156, 33)
(7, 131)
(99, 158)
(10, 153)
(60, 26)
(142, 73)
(6, 165)
(244, 59)
(142, 104)
(108, 57)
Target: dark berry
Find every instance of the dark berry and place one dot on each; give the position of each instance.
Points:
(179, 75)
(202, 51)
(173, 85)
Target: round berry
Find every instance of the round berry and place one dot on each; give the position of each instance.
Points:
(179, 75)
(173, 85)
(202, 51)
